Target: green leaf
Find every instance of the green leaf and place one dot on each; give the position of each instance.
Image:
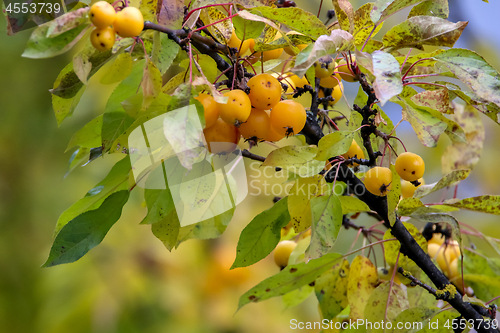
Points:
(438, 8)
(408, 205)
(418, 31)
(345, 14)
(489, 204)
(299, 200)
(78, 158)
(297, 296)
(164, 51)
(337, 41)
(246, 29)
(261, 235)
(86, 231)
(67, 22)
(392, 248)
(418, 316)
(474, 71)
(64, 107)
(448, 180)
(113, 125)
(387, 76)
(387, 302)
(294, 18)
(115, 181)
(382, 9)
(40, 45)
(393, 195)
(363, 25)
(299, 160)
(334, 144)
(119, 70)
(290, 278)
(89, 136)
(352, 205)
(151, 84)
(327, 221)
(128, 87)
(436, 324)
(331, 289)
(167, 229)
(208, 229)
(481, 273)
(488, 108)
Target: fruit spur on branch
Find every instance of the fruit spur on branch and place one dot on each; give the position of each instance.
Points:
(274, 74)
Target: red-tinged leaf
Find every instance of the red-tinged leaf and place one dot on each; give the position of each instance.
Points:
(423, 30)
(345, 14)
(435, 99)
(382, 9)
(170, 13)
(387, 76)
(474, 71)
(438, 8)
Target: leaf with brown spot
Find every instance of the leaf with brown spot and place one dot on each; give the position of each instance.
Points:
(170, 13)
(435, 99)
(489, 204)
(386, 302)
(331, 289)
(465, 155)
(387, 76)
(438, 8)
(362, 280)
(290, 278)
(382, 9)
(423, 30)
(474, 71)
(449, 179)
(392, 248)
(363, 26)
(345, 14)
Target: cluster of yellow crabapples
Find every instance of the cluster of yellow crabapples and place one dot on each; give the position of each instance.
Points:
(445, 252)
(108, 23)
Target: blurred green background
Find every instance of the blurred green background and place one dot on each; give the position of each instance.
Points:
(131, 283)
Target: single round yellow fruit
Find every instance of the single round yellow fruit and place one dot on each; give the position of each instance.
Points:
(128, 22)
(237, 109)
(102, 39)
(408, 189)
(289, 50)
(354, 151)
(210, 107)
(324, 67)
(288, 117)
(102, 14)
(345, 72)
(282, 252)
(330, 81)
(265, 91)
(410, 166)
(221, 137)
(273, 136)
(235, 42)
(378, 180)
(256, 126)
